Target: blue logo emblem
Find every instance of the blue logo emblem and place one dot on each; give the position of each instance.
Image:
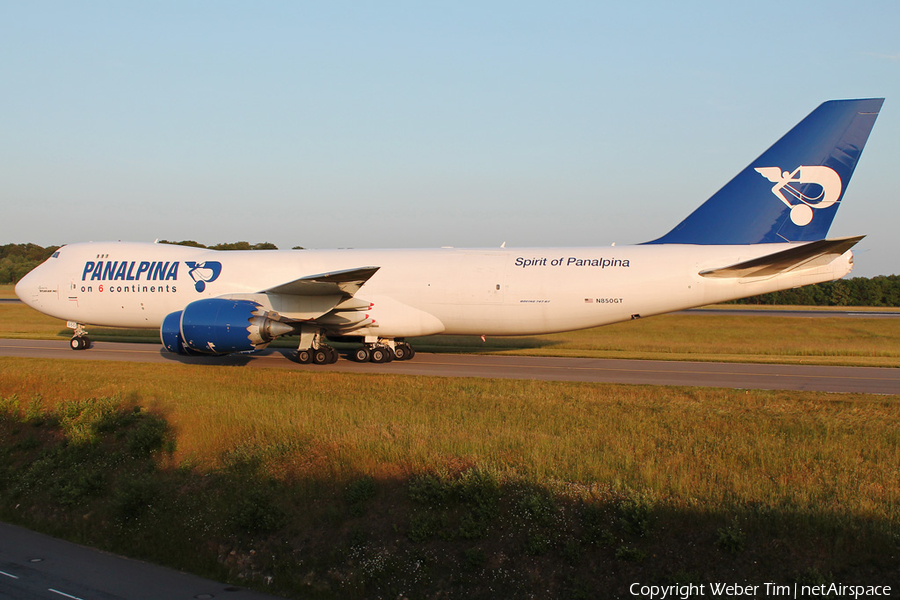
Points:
(203, 273)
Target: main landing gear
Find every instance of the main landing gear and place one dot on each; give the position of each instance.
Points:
(323, 355)
(383, 351)
(80, 339)
(314, 350)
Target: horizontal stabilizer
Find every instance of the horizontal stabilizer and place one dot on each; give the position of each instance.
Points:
(786, 260)
(346, 283)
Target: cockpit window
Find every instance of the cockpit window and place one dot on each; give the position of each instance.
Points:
(55, 254)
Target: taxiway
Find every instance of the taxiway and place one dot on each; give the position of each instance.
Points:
(871, 380)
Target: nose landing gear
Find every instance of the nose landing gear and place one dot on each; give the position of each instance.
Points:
(80, 339)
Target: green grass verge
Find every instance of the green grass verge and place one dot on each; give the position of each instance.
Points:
(333, 486)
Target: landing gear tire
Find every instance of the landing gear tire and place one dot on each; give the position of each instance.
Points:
(320, 356)
(403, 351)
(381, 354)
(80, 343)
(362, 355)
(332, 355)
(304, 357)
(325, 355)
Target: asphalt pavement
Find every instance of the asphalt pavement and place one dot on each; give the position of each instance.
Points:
(34, 566)
(870, 380)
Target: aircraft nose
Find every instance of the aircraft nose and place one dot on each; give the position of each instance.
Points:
(27, 289)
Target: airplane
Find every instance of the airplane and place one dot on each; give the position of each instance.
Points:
(749, 238)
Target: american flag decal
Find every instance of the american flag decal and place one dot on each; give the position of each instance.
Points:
(588, 300)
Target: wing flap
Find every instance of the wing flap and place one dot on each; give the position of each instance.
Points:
(786, 260)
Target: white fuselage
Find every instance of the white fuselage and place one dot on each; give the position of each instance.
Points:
(508, 291)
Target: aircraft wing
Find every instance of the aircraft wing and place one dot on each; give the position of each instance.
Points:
(786, 260)
(314, 296)
(344, 283)
(329, 301)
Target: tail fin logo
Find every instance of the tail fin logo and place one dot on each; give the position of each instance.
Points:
(814, 186)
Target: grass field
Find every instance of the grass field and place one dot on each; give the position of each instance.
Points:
(330, 485)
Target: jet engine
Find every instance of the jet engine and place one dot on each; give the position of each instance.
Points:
(220, 326)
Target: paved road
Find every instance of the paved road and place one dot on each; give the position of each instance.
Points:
(730, 375)
(37, 566)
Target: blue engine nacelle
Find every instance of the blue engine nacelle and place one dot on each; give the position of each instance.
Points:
(220, 326)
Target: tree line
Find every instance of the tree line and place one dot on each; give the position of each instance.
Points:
(17, 259)
(883, 290)
(228, 245)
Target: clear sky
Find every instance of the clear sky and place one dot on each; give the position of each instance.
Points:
(423, 124)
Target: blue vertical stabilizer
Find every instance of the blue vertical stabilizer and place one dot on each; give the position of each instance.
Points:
(792, 191)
